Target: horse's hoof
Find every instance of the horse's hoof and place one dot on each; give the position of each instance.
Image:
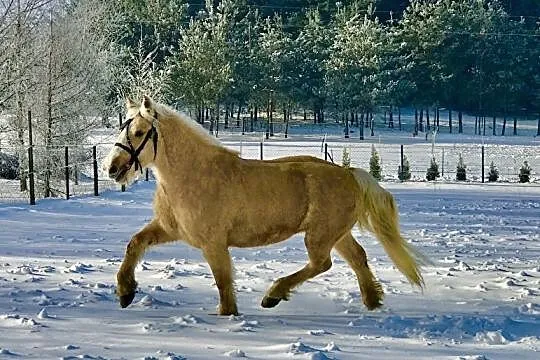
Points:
(127, 299)
(269, 302)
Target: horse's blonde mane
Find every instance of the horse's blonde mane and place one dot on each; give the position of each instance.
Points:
(195, 128)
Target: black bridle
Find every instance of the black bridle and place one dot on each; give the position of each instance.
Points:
(152, 133)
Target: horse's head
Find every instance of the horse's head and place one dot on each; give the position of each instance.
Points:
(136, 145)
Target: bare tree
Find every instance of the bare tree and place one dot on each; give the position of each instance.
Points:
(72, 80)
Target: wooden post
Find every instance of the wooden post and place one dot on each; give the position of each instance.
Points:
(94, 163)
(325, 151)
(442, 163)
(66, 169)
(483, 164)
(401, 162)
(361, 126)
(31, 175)
(261, 149)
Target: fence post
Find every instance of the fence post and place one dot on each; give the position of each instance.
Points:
(483, 163)
(325, 152)
(401, 163)
(261, 149)
(442, 163)
(94, 161)
(66, 168)
(31, 175)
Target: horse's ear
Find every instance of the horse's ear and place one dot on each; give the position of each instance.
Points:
(147, 102)
(130, 103)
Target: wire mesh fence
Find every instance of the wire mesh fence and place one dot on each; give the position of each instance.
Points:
(57, 171)
(76, 170)
(507, 159)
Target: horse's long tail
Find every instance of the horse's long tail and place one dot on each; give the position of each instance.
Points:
(377, 212)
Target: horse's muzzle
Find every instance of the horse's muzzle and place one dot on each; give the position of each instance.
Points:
(118, 173)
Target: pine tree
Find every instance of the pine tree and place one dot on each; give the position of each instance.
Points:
(461, 170)
(525, 173)
(404, 173)
(375, 164)
(493, 174)
(346, 158)
(433, 171)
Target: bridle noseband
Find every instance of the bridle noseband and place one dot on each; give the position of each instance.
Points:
(134, 153)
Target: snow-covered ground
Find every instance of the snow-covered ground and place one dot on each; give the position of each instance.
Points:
(58, 262)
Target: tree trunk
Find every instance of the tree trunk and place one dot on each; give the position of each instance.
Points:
(503, 125)
(415, 122)
(251, 121)
(538, 129)
(22, 154)
(238, 114)
(428, 126)
(399, 117)
(438, 118)
(286, 117)
(227, 107)
(450, 120)
(372, 124)
(345, 118)
(515, 125)
(476, 125)
(391, 118)
(421, 122)
(217, 119)
(460, 122)
(271, 117)
(494, 125)
(49, 132)
(211, 128)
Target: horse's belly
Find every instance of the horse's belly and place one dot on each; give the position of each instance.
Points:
(261, 238)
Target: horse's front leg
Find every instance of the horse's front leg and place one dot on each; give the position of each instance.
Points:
(151, 234)
(220, 263)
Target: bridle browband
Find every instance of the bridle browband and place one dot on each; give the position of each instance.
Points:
(152, 133)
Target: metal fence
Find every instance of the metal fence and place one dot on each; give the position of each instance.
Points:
(76, 170)
(508, 159)
(56, 172)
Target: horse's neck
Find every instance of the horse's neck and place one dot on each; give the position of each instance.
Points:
(181, 151)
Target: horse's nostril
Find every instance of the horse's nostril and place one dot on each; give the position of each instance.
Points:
(113, 170)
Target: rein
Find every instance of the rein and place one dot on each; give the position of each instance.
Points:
(134, 153)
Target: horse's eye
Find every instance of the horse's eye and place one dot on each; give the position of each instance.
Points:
(138, 133)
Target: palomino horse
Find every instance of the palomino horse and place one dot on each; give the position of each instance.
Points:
(211, 198)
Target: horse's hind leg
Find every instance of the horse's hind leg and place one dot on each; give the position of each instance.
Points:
(151, 234)
(319, 262)
(354, 254)
(221, 266)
